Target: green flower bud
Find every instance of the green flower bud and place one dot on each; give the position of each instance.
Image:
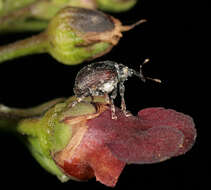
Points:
(78, 34)
(83, 142)
(74, 35)
(48, 9)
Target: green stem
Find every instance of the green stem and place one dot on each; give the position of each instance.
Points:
(33, 45)
(18, 113)
(24, 26)
(9, 117)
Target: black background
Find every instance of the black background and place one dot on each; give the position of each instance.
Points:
(168, 39)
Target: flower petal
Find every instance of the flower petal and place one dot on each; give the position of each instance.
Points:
(152, 117)
(132, 142)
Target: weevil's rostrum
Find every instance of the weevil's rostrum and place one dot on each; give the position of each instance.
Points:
(104, 78)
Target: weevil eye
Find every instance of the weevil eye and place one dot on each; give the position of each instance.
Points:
(125, 71)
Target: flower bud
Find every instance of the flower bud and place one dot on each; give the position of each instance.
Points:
(46, 10)
(78, 34)
(116, 5)
(1, 5)
(74, 35)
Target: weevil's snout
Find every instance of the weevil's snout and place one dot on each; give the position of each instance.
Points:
(139, 74)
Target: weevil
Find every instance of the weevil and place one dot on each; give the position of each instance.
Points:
(103, 79)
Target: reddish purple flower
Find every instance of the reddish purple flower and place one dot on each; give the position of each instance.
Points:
(101, 146)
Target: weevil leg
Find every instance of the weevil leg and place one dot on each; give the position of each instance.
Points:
(92, 99)
(123, 105)
(112, 97)
(107, 99)
(122, 92)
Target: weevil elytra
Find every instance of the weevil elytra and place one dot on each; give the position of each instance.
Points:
(103, 79)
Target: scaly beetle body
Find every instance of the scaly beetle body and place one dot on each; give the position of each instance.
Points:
(101, 79)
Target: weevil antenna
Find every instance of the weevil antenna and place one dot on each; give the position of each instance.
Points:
(148, 78)
(141, 75)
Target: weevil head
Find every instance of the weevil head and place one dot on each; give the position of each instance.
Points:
(123, 72)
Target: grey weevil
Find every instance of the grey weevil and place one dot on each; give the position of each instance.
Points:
(103, 78)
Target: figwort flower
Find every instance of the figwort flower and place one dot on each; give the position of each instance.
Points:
(83, 142)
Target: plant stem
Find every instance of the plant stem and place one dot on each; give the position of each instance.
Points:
(24, 26)
(9, 117)
(33, 45)
(18, 113)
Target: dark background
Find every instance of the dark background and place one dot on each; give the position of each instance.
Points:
(168, 39)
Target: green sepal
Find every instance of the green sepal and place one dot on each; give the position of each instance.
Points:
(45, 136)
(45, 160)
(44, 129)
(49, 134)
